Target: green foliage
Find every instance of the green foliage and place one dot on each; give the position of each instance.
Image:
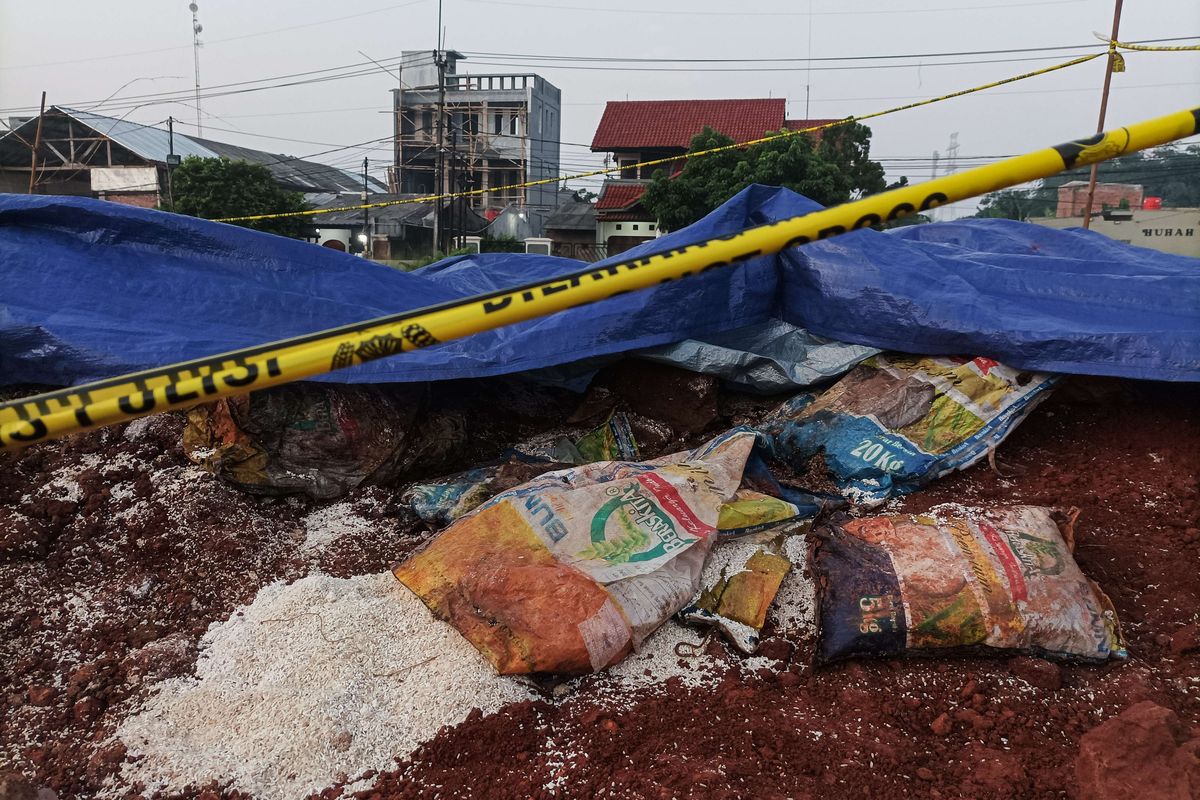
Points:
(1167, 172)
(834, 171)
(501, 244)
(1019, 204)
(213, 188)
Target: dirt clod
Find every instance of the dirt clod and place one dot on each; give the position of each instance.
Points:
(1142, 752)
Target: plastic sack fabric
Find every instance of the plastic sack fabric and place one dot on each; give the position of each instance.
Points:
(568, 572)
(1000, 578)
(770, 357)
(736, 603)
(318, 440)
(443, 500)
(896, 423)
(95, 289)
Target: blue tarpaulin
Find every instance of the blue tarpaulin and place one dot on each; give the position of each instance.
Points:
(92, 289)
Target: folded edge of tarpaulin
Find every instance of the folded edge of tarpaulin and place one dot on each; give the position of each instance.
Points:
(1029, 296)
(770, 357)
(94, 289)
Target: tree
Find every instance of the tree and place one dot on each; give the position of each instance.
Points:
(213, 188)
(834, 171)
(1019, 204)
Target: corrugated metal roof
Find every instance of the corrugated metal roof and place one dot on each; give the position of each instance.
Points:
(153, 144)
(150, 143)
(389, 218)
(573, 214)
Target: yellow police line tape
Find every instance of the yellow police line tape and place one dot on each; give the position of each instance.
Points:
(106, 402)
(1113, 44)
(662, 161)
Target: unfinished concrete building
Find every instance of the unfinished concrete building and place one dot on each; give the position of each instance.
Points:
(499, 131)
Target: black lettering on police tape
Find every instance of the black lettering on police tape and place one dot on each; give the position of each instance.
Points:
(175, 398)
(39, 431)
(866, 221)
(1070, 151)
(208, 384)
(492, 306)
(250, 377)
(832, 230)
(22, 412)
(41, 405)
(796, 241)
(342, 357)
(126, 402)
(383, 346)
(555, 288)
(901, 210)
(933, 200)
(418, 336)
(82, 417)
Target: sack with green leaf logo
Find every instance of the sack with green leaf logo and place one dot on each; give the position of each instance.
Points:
(568, 572)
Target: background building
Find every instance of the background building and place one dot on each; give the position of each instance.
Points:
(1072, 197)
(1168, 230)
(1121, 212)
(499, 131)
(90, 155)
(632, 131)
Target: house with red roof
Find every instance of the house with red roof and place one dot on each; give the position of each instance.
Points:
(635, 131)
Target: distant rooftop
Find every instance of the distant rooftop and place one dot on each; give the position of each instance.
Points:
(651, 124)
(154, 144)
(573, 214)
(617, 195)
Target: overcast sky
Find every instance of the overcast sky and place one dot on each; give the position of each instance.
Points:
(82, 52)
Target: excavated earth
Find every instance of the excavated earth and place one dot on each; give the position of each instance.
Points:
(117, 554)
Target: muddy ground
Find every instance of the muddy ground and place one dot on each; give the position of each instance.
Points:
(116, 554)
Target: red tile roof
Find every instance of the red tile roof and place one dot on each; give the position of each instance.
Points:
(649, 124)
(619, 195)
(801, 124)
(625, 216)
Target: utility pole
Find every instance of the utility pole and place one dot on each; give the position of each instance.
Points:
(440, 173)
(172, 162)
(439, 58)
(366, 212)
(197, 28)
(37, 141)
(452, 184)
(1108, 71)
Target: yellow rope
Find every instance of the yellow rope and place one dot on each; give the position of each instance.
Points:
(655, 162)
